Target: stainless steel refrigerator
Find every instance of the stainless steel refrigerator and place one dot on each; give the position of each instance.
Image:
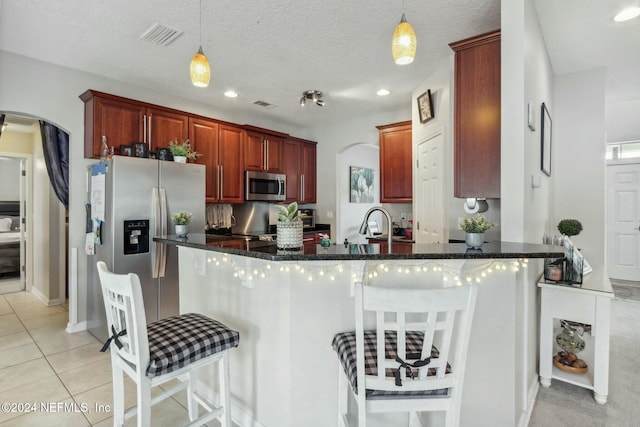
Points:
(141, 195)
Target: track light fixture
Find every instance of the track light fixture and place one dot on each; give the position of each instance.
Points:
(314, 96)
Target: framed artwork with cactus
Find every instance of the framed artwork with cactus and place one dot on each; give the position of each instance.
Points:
(361, 185)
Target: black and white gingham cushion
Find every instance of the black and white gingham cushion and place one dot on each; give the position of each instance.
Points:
(177, 341)
(344, 344)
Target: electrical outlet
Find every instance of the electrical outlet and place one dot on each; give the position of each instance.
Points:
(329, 214)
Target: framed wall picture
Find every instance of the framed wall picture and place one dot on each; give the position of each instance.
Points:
(361, 185)
(545, 140)
(425, 106)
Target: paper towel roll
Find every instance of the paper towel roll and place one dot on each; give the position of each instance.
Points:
(473, 206)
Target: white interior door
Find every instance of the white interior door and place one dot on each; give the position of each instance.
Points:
(623, 221)
(429, 211)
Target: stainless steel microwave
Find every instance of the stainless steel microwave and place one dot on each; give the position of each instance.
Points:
(265, 186)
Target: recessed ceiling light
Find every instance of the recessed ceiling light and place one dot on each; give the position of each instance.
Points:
(383, 92)
(230, 94)
(627, 14)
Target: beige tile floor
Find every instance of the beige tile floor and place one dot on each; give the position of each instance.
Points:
(64, 375)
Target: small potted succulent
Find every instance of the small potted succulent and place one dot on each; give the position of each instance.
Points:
(289, 227)
(570, 227)
(475, 228)
(181, 220)
(182, 151)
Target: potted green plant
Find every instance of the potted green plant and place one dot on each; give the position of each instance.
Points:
(182, 151)
(181, 220)
(289, 227)
(570, 227)
(475, 228)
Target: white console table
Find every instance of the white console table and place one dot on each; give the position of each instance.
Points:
(590, 304)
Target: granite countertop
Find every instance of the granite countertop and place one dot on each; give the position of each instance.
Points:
(267, 250)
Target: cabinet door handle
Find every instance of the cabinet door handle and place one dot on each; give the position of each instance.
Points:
(264, 154)
(149, 140)
(266, 157)
(144, 129)
(221, 182)
(218, 182)
(301, 187)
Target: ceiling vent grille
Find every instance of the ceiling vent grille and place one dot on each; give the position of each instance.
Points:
(161, 34)
(264, 104)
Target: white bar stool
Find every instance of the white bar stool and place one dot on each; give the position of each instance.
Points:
(161, 351)
(408, 363)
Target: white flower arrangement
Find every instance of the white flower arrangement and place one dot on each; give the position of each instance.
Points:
(477, 224)
(182, 218)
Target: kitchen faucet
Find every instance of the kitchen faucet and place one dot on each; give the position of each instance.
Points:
(364, 226)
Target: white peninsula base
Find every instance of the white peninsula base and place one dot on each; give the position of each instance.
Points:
(284, 372)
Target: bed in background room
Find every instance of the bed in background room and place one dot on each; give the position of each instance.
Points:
(9, 239)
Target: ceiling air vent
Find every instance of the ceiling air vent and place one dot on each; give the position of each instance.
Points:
(264, 104)
(161, 34)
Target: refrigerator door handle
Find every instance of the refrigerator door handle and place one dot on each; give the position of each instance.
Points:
(163, 230)
(157, 247)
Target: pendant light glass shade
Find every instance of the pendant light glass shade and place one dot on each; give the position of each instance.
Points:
(200, 70)
(403, 43)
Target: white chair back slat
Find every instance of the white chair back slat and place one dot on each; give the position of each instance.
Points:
(123, 295)
(380, 322)
(438, 309)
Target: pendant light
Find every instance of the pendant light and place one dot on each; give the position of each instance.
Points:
(200, 70)
(403, 43)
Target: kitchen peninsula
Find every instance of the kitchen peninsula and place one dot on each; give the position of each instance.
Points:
(287, 307)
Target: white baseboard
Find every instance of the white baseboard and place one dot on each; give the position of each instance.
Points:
(238, 416)
(46, 301)
(525, 417)
(78, 327)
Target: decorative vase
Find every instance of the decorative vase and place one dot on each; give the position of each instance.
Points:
(474, 240)
(181, 230)
(570, 337)
(180, 159)
(289, 235)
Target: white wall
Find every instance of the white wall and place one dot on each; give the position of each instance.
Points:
(622, 122)
(537, 202)
(578, 158)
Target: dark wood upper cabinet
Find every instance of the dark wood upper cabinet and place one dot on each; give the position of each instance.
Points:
(231, 160)
(120, 121)
(477, 116)
(227, 149)
(299, 165)
(164, 126)
(395, 163)
(204, 140)
(124, 121)
(222, 153)
(263, 150)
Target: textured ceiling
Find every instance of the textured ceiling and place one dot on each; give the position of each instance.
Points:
(265, 50)
(581, 34)
(274, 50)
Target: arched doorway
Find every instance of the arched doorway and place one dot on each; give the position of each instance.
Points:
(45, 218)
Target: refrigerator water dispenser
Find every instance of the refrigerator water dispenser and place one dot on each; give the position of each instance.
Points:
(136, 236)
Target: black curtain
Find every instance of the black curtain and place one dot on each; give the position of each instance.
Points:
(2, 116)
(55, 145)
